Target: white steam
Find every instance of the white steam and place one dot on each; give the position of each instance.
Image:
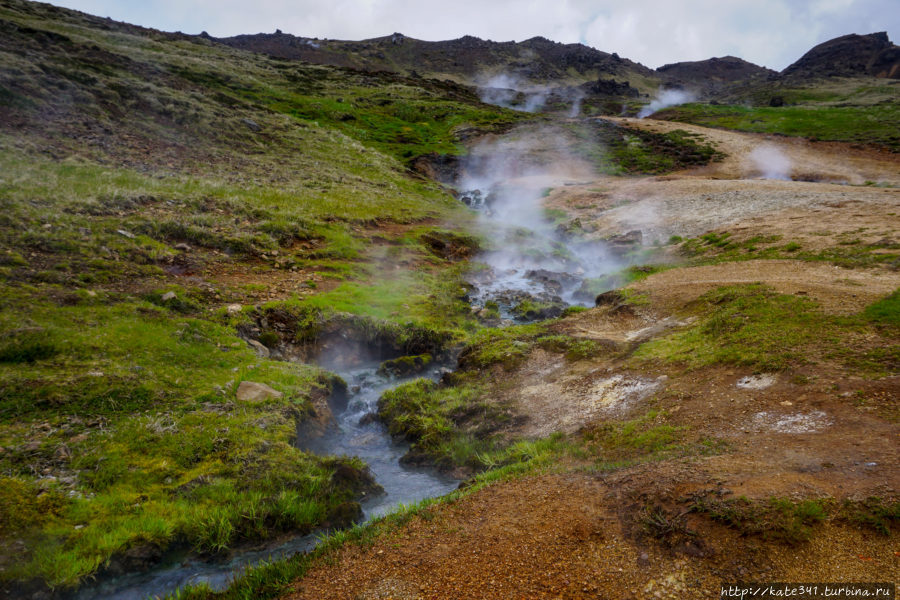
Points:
(665, 99)
(770, 163)
(510, 91)
(510, 177)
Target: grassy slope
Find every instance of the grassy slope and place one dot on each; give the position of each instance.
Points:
(853, 121)
(119, 426)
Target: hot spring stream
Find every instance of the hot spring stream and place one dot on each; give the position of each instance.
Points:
(369, 441)
(531, 261)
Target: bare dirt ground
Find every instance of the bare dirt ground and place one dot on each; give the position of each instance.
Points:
(813, 161)
(562, 536)
(817, 431)
(692, 202)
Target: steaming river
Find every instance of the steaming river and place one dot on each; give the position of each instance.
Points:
(532, 261)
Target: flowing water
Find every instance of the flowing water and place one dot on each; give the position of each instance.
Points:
(532, 261)
(368, 440)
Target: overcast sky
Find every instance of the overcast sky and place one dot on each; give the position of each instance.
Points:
(773, 33)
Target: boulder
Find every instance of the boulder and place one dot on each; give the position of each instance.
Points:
(251, 391)
(261, 350)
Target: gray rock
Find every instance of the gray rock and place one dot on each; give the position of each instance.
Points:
(183, 247)
(233, 309)
(251, 391)
(124, 233)
(251, 124)
(261, 350)
(168, 296)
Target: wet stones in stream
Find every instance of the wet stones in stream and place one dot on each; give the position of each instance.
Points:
(625, 243)
(405, 366)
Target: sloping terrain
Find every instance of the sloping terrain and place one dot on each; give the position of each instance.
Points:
(155, 187)
(732, 419)
(189, 229)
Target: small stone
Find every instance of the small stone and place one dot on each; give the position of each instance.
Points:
(251, 124)
(48, 226)
(183, 247)
(261, 350)
(233, 309)
(168, 296)
(91, 293)
(251, 391)
(787, 403)
(125, 233)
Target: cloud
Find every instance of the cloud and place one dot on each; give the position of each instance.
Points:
(773, 33)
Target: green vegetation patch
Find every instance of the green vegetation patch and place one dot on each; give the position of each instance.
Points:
(616, 150)
(510, 346)
(753, 326)
(779, 519)
(721, 246)
(133, 452)
(876, 124)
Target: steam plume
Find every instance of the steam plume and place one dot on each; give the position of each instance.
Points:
(665, 99)
(771, 163)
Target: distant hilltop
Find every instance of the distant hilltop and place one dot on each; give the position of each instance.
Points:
(539, 60)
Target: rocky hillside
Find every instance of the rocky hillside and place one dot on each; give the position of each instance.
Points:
(714, 72)
(467, 59)
(851, 55)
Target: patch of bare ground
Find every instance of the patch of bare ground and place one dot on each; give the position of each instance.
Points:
(850, 222)
(692, 202)
(689, 206)
(810, 161)
(575, 536)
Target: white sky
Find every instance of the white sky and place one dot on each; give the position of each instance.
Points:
(773, 33)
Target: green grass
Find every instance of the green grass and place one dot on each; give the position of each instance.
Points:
(753, 326)
(126, 400)
(886, 311)
(861, 124)
(780, 519)
(509, 347)
(616, 150)
(720, 246)
(447, 425)
(141, 453)
(272, 579)
(650, 437)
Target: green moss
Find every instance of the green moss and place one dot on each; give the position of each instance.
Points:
(753, 326)
(875, 513)
(746, 325)
(617, 150)
(780, 519)
(405, 365)
(886, 311)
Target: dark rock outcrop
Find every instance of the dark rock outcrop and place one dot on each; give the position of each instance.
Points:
(849, 56)
(726, 69)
